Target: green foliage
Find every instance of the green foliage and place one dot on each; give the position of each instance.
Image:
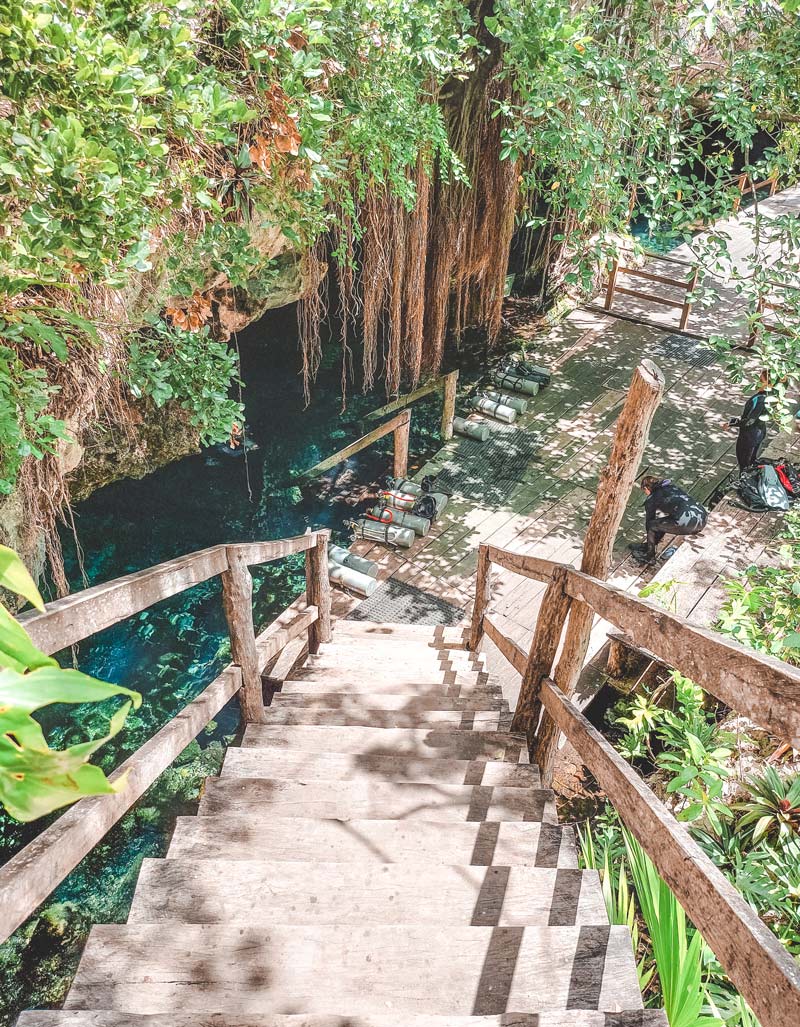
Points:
(138, 137)
(762, 610)
(190, 369)
(679, 953)
(25, 427)
(773, 812)
(35, 779)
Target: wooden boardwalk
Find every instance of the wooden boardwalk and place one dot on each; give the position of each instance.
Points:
(532, 486)
(343, 874)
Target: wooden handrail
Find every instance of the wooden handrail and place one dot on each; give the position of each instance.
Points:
(685, 307)
(81, 614)
(448, 383)
(763, 687)
(399, 426)
(760, 968)
(29, 876)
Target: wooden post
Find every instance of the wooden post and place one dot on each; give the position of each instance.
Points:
(449, 405)
(612, 284)
(483, 593)
(401, 433)
(237, 597)
(549, 625)
(318, 591)
(616, 482)
(687, 306)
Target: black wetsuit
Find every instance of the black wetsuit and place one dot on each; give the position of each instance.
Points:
(670, 510)
(752, 427)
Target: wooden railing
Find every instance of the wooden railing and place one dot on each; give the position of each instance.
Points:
(448, 383)
(31, 875)
(399, 426)
(746, 185)
(765, 689)
(688, 285)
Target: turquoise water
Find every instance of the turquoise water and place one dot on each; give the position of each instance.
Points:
(173, 650)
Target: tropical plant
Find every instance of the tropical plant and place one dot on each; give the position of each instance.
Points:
(35, 779)
(679, 951)
(773, 812)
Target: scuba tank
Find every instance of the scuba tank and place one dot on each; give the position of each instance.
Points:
(398, 500)
(342, 556)
(412, 488)
(386, 515)
(352, 579)
(390, 534)
(471, 429)
(515, 402)
(496, 410)
(526, 369)
(516, 382)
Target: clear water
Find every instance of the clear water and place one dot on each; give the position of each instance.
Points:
(173, 650)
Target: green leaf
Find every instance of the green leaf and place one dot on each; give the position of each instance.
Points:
(17, 651)
(15, 577)
(52, 684)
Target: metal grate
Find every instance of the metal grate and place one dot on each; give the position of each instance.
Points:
(396, 602)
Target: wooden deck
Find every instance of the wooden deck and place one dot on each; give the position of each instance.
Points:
(532, 486)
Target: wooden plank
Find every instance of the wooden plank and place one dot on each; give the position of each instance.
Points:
(370, 841)
(763, 688)
(519, 563)
(355, 447)
(616, 482)
(650, 276)
(550, 623)
(757, 964)
(413, 969)
(265, 552)
(28, 877)
(375, 800)
(77, 616)
(296, 765)
(401, 439)
(237, 598)
(411, 397)
(318, 591)
(449, 405)
(647, 296)
(315, 892)
(483, 595)
(273, 639)
(515, 654)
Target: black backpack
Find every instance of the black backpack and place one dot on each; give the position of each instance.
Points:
(760, 488)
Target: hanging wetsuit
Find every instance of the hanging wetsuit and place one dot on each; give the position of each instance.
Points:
(670, 510)
(752, 427)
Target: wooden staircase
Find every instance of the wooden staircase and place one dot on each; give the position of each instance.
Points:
(379, 853)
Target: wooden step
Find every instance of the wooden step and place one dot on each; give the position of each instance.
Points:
(424, 634)
(421, 682)
(442, 744)
(411, 701)
(294, 764)
(391, 655)
(262, 835)
(376, 800)
(144, 968)
(497, 720)
(546, 1018)
(188, 891)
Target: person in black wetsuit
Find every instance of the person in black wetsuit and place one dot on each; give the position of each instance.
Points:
(668, 510)
(752, 425)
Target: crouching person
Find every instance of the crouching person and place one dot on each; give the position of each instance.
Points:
(668, 511)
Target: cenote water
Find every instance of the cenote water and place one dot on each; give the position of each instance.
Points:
(173, 650)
